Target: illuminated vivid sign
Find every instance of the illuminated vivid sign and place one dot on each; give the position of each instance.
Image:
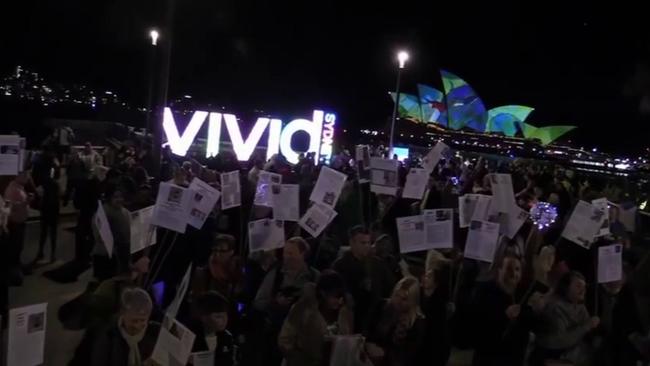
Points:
(320, 130)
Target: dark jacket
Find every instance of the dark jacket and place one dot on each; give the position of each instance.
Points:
(110, 348)
(224, 354)
(436, 349)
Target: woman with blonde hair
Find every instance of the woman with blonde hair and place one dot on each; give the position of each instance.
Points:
(396, 326)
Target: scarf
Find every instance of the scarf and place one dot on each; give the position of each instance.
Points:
(132, 341)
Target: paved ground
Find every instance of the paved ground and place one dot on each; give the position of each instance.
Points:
(61, 343)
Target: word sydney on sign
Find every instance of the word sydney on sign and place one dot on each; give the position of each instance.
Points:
(320, 130)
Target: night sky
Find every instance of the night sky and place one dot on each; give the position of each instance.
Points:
(581, 64)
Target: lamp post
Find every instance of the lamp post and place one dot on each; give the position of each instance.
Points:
(153, 35)
(402, 57)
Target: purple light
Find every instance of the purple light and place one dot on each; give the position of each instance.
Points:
(543, 214)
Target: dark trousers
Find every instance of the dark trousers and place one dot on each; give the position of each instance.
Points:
(16, 242)
(84, 240)
(49, 222)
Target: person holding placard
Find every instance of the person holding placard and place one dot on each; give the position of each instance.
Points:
(18, 200)
(320, 314)
(209, 323)
(130, 340)
(503, 325)
(119, 222)
(566, 322)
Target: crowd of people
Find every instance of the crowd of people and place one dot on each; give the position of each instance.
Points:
(538, 303)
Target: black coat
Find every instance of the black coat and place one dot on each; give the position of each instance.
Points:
(110, 348)
(224, 354)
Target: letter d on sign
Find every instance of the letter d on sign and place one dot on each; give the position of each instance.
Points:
(313, 128)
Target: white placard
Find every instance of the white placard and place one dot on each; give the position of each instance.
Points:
(432, 159)
(203, 358)
(610, 263)
(472, 207)
(174, 344)
(362, 157)
(262, 192)
(143, 233)
(104, 228)
(22, 152)
(265, 234)
(416, 183)
(328, 187)
(346, 350)
(410, 232)
(285, 199)
(383, 176)
(439, 228)
(172, 309)
(627, 216)
(204, 199)
(230, 190)
(172, 207)
(27, 327)
(482, 241)
(511, 222)
(584, 223)
(602, 205)
(316, 219)
(10, 154)
(503, 196)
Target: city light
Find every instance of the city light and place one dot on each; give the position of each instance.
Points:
(402, 57)
(154, 37)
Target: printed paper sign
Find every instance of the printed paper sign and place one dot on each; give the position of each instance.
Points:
(482, 241)
(383, 176)
(511, 222)
(584, 223)
(473, 207)
(174, 343)
(203, 358)
(410, 232)
(601, 204)
(230, 190)
(432, 159)
(316, 219)
(439, 228)
(104, 229)
(172, 310)
(172, 207)
(503, 195)
(26, 335)
(265, 234)
(10, 154)
(416, 183)
(204, 198)
(143, 233)
(262, 192)
(610, 263)
(328, 187)
(285, 200)
(362, 158)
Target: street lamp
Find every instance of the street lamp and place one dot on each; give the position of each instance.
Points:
(154, 37)
(402, 57)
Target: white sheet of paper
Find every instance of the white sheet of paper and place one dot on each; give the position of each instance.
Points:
(285, 199)
(627, 216)
(416, 183)
(602, 205)
(328, 187)
(143, 233)
(439, 228)
(362, 155)
(316, 219)
(21, 154)
(511, 222)
(346, 350)
(203, 358)
(172, 207)
(230, 190)
(584, 223)
(410, 232)
(104, 228)
(610, 263)
(432, 159)
(482, 210)
(9, 154)
(482, 241)
(265, 234)
(27, 328)
(503, 196)
(383, 176)
(174, 344)
(204, 199)
(262, 192)
(172, 309)
(466, 207)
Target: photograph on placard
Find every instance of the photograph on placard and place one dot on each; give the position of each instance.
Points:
(439, 228)
(328, 187)
(204, 200)
(482, 241)
(26, 335)
(230, 190)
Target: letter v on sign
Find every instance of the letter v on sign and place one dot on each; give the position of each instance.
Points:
(179, 144)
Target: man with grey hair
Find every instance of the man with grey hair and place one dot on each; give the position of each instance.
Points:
(131, 338)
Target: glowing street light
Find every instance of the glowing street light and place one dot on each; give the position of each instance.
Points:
(154, 37)
(402, 57)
